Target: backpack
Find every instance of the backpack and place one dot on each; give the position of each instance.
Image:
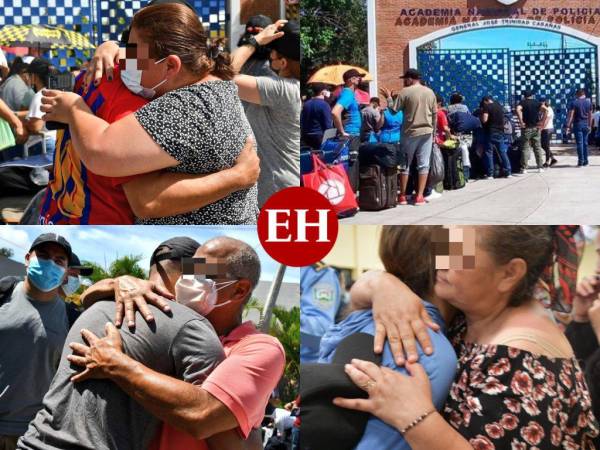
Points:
(8, 284)
(320, 301)
(463, 122)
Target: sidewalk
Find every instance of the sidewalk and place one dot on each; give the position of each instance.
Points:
(562, 194)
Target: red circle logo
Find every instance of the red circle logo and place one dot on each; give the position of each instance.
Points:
(297, 226)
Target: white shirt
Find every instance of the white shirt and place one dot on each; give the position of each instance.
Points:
(3, 61)
(550, 116)
(35, 112)
(596, 119)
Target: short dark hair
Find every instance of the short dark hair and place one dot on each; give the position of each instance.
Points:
(242, 261)
(374, 99)
(439, 99)
(487, 98)
(456, 98)
(580, 92)
(317, 88)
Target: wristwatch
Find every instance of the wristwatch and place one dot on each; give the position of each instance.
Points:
(252, 41)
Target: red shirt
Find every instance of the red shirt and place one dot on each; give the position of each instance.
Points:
(75, 195)
(442, 123)
(243, 382)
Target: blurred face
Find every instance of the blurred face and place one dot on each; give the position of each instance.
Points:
(155, 70)
(466, 275)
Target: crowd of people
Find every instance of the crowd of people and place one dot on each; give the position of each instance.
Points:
(495, 140)
(472, 337)
(155, 131)
(182, 371)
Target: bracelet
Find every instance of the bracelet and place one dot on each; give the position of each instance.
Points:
(417, 421)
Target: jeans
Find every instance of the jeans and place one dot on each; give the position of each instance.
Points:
(532, 138)
(546, 134)
(295, 438)
(419, 146)
(581, 132)
(499, 141)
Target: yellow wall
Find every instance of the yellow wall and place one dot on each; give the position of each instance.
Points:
(357, 246)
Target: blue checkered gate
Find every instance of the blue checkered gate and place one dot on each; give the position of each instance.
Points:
(474, 73)
(555, 75)
(100, 20)
(505, 74)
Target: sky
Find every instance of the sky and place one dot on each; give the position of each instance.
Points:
(104, 244)
(513, 38)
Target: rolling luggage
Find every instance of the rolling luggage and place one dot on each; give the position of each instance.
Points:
(378, 180)
(378, 187)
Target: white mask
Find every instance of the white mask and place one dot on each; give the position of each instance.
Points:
(72, 285)
(199, 294)
(132, 78)
(326, 94)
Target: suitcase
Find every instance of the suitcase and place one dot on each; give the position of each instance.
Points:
(454, 175)
(378, 187)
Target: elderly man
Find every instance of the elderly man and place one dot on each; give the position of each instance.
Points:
(217, 283)
(33, 329)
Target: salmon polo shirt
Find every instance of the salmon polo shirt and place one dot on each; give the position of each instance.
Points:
(243, 382)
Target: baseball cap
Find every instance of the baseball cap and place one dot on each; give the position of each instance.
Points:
(288, 45)
(351, 73)
(527, 93)
(179, 247)
(74, 263)
(413, 74)
(54, 239)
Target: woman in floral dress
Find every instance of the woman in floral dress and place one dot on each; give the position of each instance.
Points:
(518, 384)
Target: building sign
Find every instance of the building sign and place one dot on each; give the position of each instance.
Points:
(453, 16)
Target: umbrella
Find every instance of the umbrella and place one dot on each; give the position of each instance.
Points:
(42, 36)
(334, 74)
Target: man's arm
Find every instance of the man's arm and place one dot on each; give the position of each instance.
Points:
(570, 118)
(13, 120)
(336, 114)
(520, 116)
(160, 194)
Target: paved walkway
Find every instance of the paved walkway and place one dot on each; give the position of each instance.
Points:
(562, 194)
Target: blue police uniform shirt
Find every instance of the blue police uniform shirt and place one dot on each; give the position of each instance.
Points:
(348, 101)
(319, 304)
(440, 367)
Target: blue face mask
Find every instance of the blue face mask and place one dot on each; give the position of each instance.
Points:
(72, 285)
(45, 274)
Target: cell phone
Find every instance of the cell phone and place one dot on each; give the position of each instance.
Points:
(60, 82)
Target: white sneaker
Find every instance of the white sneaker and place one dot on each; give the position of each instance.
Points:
(434, 194)
(509, 176)
(523, 172)
(540, 170)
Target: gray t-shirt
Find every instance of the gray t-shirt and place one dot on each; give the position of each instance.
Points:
(97, 414)
(32, 335)
(276, 126)
(16, 94)
(256, 68)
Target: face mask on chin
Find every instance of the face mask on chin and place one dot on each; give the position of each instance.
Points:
(132, 79)
(199, 294)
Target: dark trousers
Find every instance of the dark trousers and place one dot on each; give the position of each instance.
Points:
(546, 135)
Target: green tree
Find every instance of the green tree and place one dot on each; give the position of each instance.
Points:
(333, 31)
(127, 265)
(6, 252)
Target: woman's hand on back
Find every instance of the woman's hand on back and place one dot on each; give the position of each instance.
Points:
(247, 165)
(104, 60)
(58, 105)
(399, 314)
(394, 398)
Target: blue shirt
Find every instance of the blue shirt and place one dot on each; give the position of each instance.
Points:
(320, 301)
(440, 367)
(392, 127)
(316, 117)
(582, 108)
(348, 101)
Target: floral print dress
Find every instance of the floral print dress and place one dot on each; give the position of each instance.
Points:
(507, 398)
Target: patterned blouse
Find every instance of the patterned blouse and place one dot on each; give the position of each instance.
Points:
(203, 126)
(507, 398)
